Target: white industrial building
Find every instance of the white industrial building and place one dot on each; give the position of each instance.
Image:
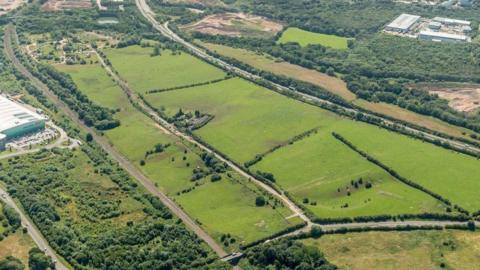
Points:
(17, 121)
(403, 23)
(451, 22)
(442, 37)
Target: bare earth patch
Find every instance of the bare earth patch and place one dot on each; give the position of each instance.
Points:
(7, 5)
(462, 99)
(53, 5)
(234, 25)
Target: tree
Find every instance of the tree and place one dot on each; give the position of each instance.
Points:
(89, 137)
(11, 263)
(12, 216)
(260, 201)
(37, 260)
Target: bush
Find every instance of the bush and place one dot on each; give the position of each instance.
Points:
(215, 178)
(260, 201)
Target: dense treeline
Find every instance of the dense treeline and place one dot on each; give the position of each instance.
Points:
(283, 255)
(372, 79)
(33, 19)
(373, 58)
(421, 102)
(47, 184)
(344, 17)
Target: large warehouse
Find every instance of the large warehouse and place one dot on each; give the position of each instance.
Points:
(16, 121)
(403, 23)
(442, 37)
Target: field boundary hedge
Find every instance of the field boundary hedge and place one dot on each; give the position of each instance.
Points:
(179, 87)
(397, 176)
(290, 141)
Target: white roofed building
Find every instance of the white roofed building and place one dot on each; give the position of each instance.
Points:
(16, 120)
(403, 23)
(452, 22)
(442, 37)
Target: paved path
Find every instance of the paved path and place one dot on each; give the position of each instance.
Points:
(105, 144)
(33, 231)
(165, 30)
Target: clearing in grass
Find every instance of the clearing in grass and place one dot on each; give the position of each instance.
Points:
(17, 245)
(427, 250)
(305, 38)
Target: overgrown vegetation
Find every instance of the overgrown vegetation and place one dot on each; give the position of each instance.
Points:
(283, 255)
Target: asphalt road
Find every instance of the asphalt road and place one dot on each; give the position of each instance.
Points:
(105, 144)
(33, 231)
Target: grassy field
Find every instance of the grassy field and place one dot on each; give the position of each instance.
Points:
(169, 170)
(145, 72)
(305, 38)
(249, 120)
(245, 115)
(320, 168)
(334, 85)
(16, 245)
(450, 174)
(231, 216)
(424, 250)
(277, 66)
(97, 87)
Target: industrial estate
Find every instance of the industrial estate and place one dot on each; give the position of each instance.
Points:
(17, 121)
(239, 134)
(438, 29)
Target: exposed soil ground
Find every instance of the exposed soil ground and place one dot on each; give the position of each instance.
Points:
(53, 5)
(7, 5)
(463, 99)
(234, 25)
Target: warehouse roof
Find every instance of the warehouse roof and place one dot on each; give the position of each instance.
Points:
(404, 21)
(13, 114)
(443, 35)
(451, 21)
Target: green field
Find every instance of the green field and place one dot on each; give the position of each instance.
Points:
(453, 175)
(169, 170)
(305, 38)
(425, 250)
(248, 120)
(321, 169)
(145, 72)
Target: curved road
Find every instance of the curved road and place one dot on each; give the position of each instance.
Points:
(105, 144)
(164, 30)
(33, 231)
